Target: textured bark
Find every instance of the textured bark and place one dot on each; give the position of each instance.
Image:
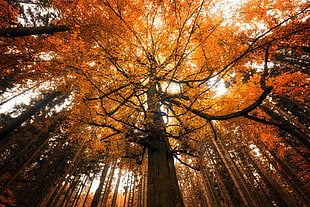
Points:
(163, 189)
(27, 31)
(162, 186)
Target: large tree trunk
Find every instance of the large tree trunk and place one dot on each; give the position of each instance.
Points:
(162, 186)
(27, 31)
(162, 183)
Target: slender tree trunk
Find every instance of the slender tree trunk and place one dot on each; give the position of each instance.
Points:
(47, 138)
(132, 182)
(72, 167)
(24, 91)
(234, 175)
(96, 199)
(228, 195)
(107, 188)
(299, 187)
(27, 114)
(79, 192)
(299, 136)
(273, 194)
(144, 189)
(67, 201)
(88, 190)
(116, 188)
(27, 31)
(128, 183)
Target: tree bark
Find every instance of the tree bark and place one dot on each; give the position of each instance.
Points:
(27, 31)
(163, 189)
(162, 186)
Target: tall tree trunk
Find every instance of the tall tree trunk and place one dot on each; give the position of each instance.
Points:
(61, 187)
(299, 136)
(162, 186)
(224, 183)
(22, 92)
(233, 172)
(113, 204)
(98, 192)
(128, 183)
(47, 137)
(27, 114)
(88, 190)
(300, 188)
(163, 189)
(79, 192)
(107, 188)
(27, 31)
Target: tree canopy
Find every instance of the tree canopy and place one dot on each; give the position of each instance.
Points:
(161, 102)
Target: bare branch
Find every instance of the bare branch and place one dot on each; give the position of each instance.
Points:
(228, 116)
(186, 164)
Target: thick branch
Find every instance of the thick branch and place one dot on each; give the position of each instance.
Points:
(27, 31)
(228, 116)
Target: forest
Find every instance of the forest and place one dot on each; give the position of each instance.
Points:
(154, 103)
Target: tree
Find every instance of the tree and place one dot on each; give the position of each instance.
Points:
(146, 95)
(146, 69)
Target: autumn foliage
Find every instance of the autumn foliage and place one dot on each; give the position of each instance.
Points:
(209, 98)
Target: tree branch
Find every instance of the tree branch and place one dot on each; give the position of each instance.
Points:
(228, 116)
(27, 31)
(183, 152)
(264, 121)
(186, 164)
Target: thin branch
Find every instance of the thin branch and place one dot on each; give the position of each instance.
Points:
(109, 93)
(265, 72)
(186, 164)
(183, 152)
(104, 125)
(213, 130)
